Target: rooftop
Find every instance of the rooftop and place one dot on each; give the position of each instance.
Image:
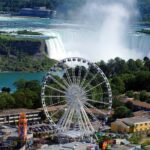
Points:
(135, 120)
(121, 123)
(137, 103)
(141, 113)
(17, 111)
(125, 147)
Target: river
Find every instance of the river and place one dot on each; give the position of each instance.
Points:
(7, 79)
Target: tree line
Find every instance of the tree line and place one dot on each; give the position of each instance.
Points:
(127, 75)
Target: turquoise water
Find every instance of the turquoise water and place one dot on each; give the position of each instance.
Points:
(7, 79)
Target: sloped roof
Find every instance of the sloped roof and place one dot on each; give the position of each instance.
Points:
(136, 120)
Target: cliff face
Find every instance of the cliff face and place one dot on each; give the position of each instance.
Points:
(16, 47)
(23, 55)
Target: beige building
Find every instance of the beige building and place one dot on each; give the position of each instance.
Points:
(131, 125)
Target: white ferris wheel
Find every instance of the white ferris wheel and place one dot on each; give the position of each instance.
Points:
(72, 91)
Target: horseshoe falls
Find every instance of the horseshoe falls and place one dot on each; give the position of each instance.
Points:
(140, 43)
(74, 43)
(108, 33)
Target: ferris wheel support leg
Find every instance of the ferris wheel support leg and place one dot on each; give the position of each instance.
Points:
(85, 122)
(91, 127)
(81, 121)
(64, 118)
(68, 119)
(71, 119)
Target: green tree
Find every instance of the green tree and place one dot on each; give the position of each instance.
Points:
(6, 101)
(134, 139)
(20, 99)
(129, 105)
(117, 85)
(143, 96)
(147, 64)
(120, 66)
(27, 94)
(6, 89)
(122, 112)
(130, 94)
(116, 103)
(20, 84)
(132, 65)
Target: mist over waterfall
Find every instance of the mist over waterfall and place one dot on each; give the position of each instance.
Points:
(107, 33)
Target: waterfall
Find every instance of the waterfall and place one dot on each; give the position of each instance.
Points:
(70, 43)
(109, 25)
(55, 46)
(107, 34)
(62, 45)
(141, 43)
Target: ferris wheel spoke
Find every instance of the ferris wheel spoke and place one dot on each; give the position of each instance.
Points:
(65, 82)
(98, 102)
(56, 103)
(58, 90)
(68, 76)
(54, 96)
(57, 82)
(95, 86)
(84, 78)
(94, 94)
(91, 106)
(90, 112)
(60, 108)
(90, 81)
(79, 76)
(73, 76)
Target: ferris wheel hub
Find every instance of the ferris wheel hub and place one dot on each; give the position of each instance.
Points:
(75, 93)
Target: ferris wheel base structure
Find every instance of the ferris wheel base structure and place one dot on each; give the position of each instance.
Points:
(78, 87)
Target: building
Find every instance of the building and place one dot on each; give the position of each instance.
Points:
(138, 105)
(12, 116)
(131, 125)
(37, 12)
(9, 137)
(141, 113)
(126, 147)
